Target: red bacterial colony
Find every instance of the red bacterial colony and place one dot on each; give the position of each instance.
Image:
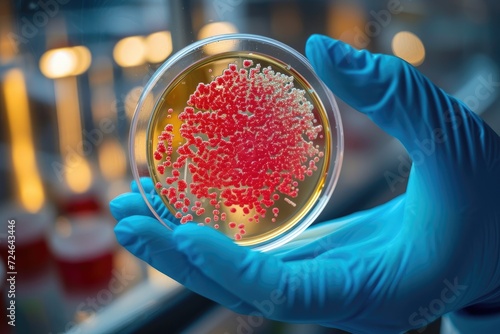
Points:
(247, 141)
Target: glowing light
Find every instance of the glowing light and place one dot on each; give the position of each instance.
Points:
(409, 47)
(159, 46)
(77, 172)
(58, 63)
(216, 28)
(112, 160)
(65, 62)
(130, 51)
(83, 57)
(30, 186)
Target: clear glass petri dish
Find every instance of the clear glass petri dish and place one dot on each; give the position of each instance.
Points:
(238, 133)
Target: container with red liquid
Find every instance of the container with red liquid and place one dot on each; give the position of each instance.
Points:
(83, 247)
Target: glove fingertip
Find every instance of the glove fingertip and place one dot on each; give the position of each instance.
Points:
(136, 231)
(133, 186)
(322, 49)
(125, 233)
(117, 204)
(146, 184)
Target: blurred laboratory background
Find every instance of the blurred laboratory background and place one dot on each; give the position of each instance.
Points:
(71, 73)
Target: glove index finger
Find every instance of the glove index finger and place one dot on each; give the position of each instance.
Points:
(242, 271)
(276, 289)
(129, 204)
(147, 239)
(397, 97)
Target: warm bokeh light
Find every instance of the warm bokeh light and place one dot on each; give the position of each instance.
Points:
(216, 28)
(65, 62)
(130, 51)
(409, 47)
(58, 63)
(77, 173)
(112, 160)
(83, 57)
(159, 46)
(137, 50)
(30, 188)
(76, 169)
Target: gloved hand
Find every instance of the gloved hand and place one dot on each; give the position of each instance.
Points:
(398, 266)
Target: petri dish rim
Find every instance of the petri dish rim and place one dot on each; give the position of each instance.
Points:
(171, 69)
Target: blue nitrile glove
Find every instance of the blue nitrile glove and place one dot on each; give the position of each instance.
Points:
(398, 266)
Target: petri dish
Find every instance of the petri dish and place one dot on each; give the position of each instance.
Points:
(238, 133)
